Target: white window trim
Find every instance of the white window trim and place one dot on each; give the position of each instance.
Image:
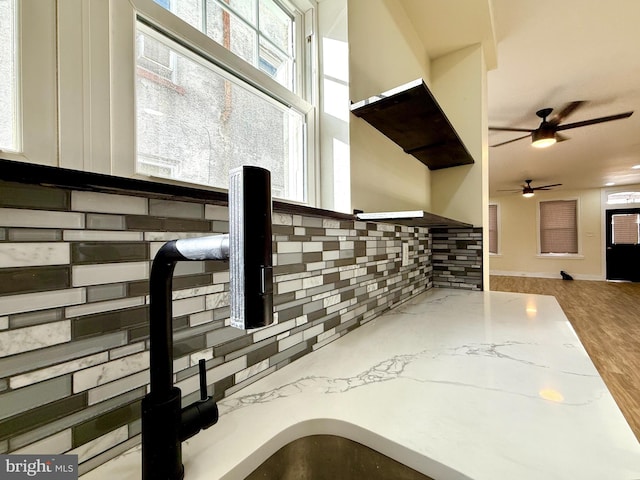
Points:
(568, 256)
(36, 84)
(84, 81)
(123, 16)
(623, 188)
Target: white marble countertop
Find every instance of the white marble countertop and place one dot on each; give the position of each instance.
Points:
(456, 384)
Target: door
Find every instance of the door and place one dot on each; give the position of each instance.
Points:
(623, 244)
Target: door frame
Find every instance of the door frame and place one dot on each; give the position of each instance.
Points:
(608, 234)
(604, 206)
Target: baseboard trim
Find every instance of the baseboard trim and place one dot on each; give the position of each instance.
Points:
(576, 276)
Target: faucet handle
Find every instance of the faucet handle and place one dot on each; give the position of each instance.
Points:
(200, 414)
(202, 372)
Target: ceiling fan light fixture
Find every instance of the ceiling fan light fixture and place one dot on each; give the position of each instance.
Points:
(527, 190)
(543, 138)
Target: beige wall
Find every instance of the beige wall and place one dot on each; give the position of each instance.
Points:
(518, 237)
(385, 52)
(459, 85)
(462, 193)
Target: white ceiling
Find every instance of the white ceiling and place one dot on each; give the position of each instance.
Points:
(551, 52)
(445, 26)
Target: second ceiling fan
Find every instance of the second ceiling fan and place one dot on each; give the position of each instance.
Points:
(547, 133)
(528, 190)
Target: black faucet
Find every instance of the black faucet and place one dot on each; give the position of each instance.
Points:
(165, 424)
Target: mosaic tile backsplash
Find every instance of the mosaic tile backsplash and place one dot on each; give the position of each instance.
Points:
(457, 258)
(74, 267)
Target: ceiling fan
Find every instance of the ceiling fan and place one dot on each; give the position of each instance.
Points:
(547, 133)
(528, 190)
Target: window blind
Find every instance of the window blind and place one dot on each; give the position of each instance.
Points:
(559, 226)
(493, 228)
(625, 228)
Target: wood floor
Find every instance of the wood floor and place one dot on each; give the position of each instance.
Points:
(606, 317)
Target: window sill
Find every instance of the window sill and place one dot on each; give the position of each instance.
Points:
(564, 256)
(36, 174)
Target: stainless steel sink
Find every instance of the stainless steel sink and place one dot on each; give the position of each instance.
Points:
(330, 457)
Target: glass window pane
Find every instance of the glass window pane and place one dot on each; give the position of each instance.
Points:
(244, 8)
(623, 197)
(234, 25)
(201, 124)
(276, 25)
(275, 64)
(191, 11)
(154, 57)
(8, 74)
(232, 33)
(625, 229)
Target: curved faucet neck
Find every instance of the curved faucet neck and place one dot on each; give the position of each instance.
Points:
(161, 324)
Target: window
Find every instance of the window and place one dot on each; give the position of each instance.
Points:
(621, 198)
(28, 88)
(493, 228)
(198, 117)
(559, 227)
(258, 31)
(203, 122)
(625, 228)
(8, 77)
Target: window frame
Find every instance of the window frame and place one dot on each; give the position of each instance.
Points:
(636, 223)
(124, 17)
(36, 84)
(578, 254)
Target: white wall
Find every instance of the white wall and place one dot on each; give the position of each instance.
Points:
(333, 47)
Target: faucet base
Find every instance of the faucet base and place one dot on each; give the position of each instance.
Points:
(161, 445)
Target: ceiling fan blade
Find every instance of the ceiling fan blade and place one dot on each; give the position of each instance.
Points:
(510, 141)
(509, 129)
(565, 112)
(547, 187)
(593, 121)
